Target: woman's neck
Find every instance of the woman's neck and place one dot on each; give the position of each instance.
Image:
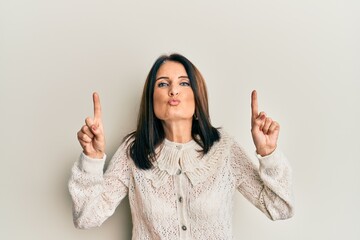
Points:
(178, 131)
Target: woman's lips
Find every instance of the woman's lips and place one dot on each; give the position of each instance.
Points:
(174, 102)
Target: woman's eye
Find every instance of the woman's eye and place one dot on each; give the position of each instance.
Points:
(163, 84)
(185, 84)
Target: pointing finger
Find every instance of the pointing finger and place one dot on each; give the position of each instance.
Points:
(254, 105)
(97, 106)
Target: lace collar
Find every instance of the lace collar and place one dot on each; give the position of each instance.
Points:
(187, 158)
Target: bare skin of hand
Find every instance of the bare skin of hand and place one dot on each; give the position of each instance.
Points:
(264, 130)
(91, 135)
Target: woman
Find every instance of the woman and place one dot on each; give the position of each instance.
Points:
(179, 171)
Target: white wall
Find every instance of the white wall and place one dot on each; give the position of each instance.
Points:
(303, 57)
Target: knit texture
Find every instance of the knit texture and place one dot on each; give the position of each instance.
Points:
(186, 195)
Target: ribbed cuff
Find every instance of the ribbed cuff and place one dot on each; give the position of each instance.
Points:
(91, 165)
(272, 160)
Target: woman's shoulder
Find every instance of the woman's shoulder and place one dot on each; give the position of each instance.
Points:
(226, 146)
(222, 146)
(122, 152)
(226, 139)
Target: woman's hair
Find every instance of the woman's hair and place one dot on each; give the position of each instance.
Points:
(150, 133)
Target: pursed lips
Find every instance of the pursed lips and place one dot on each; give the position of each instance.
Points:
(174, 102)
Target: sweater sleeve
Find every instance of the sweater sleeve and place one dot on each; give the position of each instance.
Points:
(96, 194)
(268, 186)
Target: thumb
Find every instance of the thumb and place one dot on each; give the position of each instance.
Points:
(93, 125)
(95, 128)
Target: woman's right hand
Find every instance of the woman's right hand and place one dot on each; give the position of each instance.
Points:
(91, 135)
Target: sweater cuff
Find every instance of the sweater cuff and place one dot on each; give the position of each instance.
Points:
(92, 165)
(272, 160)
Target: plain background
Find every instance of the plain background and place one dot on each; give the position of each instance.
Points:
(303, 57)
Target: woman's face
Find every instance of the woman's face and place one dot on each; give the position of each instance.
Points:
(173, 95)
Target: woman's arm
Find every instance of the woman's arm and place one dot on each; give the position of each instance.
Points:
(268, 187)
(96, 194)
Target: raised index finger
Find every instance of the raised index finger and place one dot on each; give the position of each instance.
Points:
(97, 106)
(254, 105)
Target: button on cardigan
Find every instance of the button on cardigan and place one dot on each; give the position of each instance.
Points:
(186, 195)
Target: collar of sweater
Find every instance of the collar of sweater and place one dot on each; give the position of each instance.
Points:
(188, 158)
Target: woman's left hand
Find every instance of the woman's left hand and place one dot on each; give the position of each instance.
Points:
(264, 130)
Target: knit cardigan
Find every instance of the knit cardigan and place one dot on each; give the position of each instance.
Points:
(186, 195)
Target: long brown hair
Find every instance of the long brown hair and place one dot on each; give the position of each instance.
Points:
(150, 133)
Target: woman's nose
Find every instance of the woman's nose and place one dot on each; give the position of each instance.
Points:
(173, 91)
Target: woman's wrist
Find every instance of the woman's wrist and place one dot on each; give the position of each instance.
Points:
(96, 155)
(265, 151)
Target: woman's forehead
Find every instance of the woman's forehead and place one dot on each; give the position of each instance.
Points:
(171, 68)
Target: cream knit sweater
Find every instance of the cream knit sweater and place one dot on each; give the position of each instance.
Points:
(185, 195)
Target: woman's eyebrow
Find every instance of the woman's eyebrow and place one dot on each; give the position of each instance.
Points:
(167, 78)
(162, 78)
